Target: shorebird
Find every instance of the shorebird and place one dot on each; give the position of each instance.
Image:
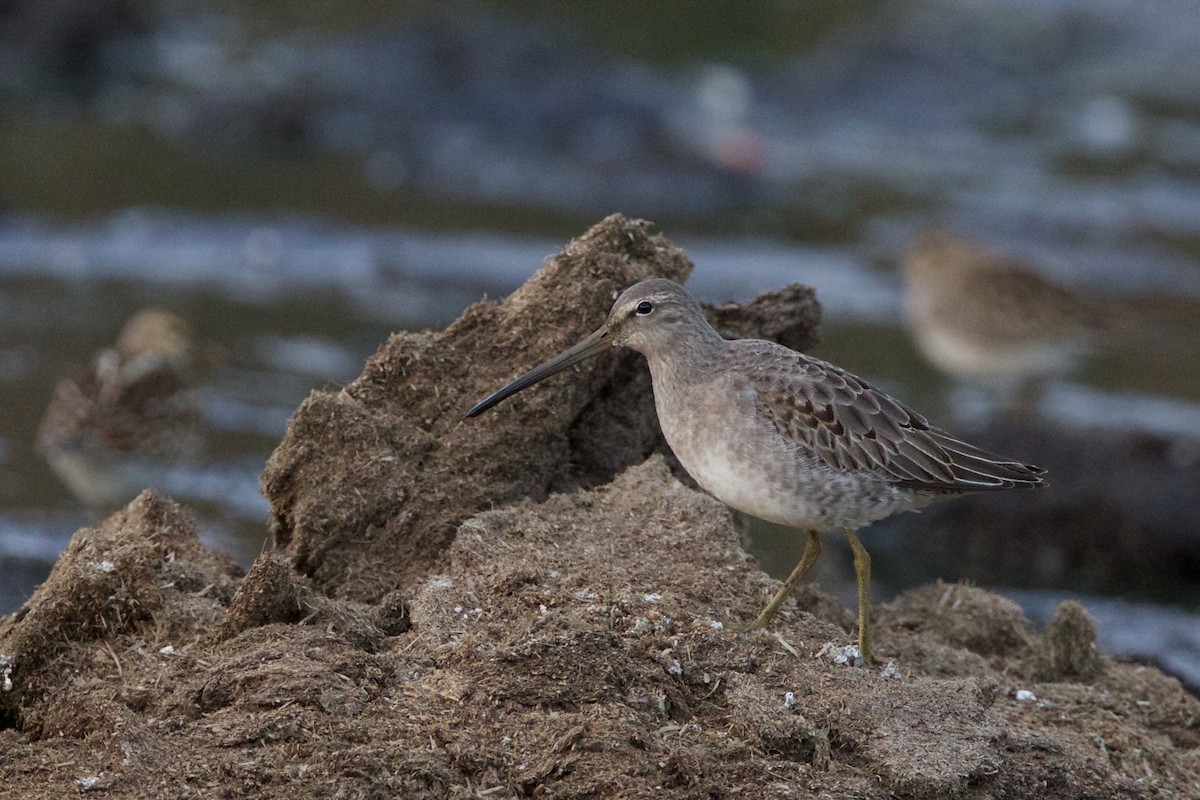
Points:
(988, 318)
(111, 427)
(781, 435)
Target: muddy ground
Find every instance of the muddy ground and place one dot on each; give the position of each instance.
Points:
(537, 604)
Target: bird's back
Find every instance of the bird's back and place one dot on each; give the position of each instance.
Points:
(842, 423)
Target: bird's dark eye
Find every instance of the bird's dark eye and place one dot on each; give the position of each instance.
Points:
(644, 308)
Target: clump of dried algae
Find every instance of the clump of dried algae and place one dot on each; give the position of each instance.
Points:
(535, 604)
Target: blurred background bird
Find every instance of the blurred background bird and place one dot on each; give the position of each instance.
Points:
(112, 426)
(988, 318)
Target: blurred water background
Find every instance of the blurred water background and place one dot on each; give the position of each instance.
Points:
(300, 179)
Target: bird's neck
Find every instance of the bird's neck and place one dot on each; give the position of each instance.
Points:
(687, 360)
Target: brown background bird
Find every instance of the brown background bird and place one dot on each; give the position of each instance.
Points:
(989, 318)
(112, 425)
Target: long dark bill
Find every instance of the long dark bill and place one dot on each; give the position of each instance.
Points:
(585, 349)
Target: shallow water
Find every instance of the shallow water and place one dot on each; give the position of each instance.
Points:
(300, 191)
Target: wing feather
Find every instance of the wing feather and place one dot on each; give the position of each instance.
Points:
(845, 423)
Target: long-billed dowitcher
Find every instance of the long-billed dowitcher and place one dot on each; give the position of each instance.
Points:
(987, 317)
(781, 435)
(111, 427)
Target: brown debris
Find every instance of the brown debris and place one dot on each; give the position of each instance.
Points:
(553, 645)
(143, 568)
(964, 616)
(269, 593)
(788, 316)
(407, 468)
(1069, 645)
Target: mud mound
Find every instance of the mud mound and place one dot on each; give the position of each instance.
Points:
(141, 576)
(441, 623)
(385, 469)
(581, 647)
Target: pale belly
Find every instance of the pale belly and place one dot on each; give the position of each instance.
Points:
(753, 471)
(962, 356)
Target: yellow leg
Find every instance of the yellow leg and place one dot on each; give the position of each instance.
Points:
(812, 551)
(862, 571)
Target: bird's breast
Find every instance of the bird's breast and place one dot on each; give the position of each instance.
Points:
(715, 435)
(745, 463)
